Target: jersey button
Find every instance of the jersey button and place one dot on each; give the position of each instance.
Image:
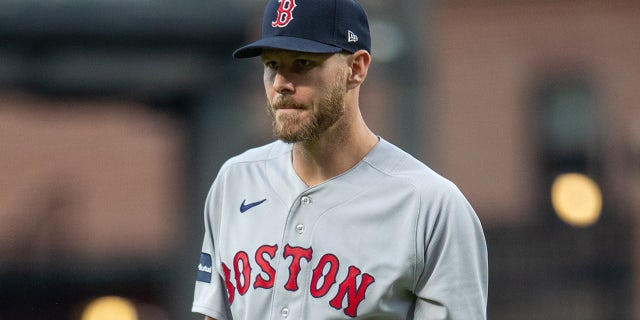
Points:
(285, 312)
(306, 200)
(300, 228)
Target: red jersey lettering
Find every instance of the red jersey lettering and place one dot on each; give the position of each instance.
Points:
(231, 290)
(261, 282)
(354, 294)
(243, 277)
(329, 278)
(323, 276)
(294, 268)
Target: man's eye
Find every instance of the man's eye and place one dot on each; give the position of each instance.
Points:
(270, 64)
(303, 63)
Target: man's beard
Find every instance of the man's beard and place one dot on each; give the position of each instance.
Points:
(309, 124)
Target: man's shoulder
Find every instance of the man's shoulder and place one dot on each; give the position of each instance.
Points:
(262, 153)
(399, 164)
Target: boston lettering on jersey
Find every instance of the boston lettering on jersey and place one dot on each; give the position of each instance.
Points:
(320, 285)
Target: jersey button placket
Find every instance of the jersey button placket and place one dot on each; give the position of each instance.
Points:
(284, 312)
(306, 202)
(291, 301)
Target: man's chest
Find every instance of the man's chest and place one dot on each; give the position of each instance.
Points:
(335, 251)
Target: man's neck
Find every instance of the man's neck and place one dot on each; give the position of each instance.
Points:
(332, 154)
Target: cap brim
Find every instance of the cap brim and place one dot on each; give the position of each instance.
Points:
(284, 43)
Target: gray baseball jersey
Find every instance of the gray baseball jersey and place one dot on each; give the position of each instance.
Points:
(388, 239)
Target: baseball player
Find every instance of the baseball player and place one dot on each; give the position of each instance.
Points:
(332, 221)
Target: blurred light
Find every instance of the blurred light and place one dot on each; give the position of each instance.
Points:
(576, 199)
(110, 308)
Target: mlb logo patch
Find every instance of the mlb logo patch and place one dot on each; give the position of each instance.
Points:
(204, 268)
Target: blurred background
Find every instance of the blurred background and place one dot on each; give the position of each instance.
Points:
(115, 116)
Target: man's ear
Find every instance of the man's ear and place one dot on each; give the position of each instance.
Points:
(359, 63)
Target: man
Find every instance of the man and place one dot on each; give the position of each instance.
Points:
(332, 221)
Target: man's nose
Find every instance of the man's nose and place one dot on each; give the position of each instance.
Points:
(282, 83)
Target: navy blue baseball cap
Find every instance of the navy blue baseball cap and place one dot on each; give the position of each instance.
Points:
(316, 26)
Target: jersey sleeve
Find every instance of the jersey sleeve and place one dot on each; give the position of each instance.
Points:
(210, 296)
(453, 283)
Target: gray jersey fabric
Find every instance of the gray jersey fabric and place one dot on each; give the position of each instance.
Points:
(388, 239)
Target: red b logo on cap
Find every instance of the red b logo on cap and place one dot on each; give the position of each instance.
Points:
(284, 13)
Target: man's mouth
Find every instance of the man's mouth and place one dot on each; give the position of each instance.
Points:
(289, 106)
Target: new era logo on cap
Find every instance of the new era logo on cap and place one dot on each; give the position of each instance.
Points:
(352, 37)
(314, 26)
